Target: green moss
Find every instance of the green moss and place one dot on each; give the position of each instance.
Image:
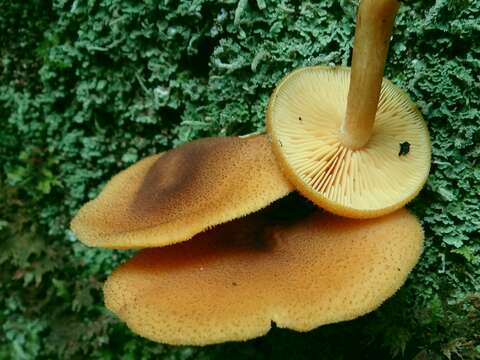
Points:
(89, 87)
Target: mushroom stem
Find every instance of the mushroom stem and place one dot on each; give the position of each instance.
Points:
(372, 36)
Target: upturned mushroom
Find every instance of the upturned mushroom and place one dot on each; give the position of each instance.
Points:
(170, 197)
(232, 282)
(351, 142)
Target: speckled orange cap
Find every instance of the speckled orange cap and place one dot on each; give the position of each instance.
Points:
(233, 281)
(170, 197)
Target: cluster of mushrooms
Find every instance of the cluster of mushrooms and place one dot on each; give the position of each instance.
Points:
(346, 139)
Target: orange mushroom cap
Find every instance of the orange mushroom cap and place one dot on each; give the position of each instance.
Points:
(170, 197)
(234, 280)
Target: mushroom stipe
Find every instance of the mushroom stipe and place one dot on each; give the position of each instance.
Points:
(230, 283)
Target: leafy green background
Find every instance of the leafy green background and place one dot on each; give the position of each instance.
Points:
(88, 87)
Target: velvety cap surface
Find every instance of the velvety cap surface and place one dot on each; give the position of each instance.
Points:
(170, 197)
(231, 282)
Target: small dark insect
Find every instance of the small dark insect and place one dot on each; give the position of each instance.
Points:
(281, 145)
(404, 148)
(300, 118)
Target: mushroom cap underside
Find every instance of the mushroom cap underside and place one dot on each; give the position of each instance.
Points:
(233, 281)
(170, 197)
(304, 117)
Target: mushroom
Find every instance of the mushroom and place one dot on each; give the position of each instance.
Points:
(170, 197)
(232, 282)
(334, 144)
